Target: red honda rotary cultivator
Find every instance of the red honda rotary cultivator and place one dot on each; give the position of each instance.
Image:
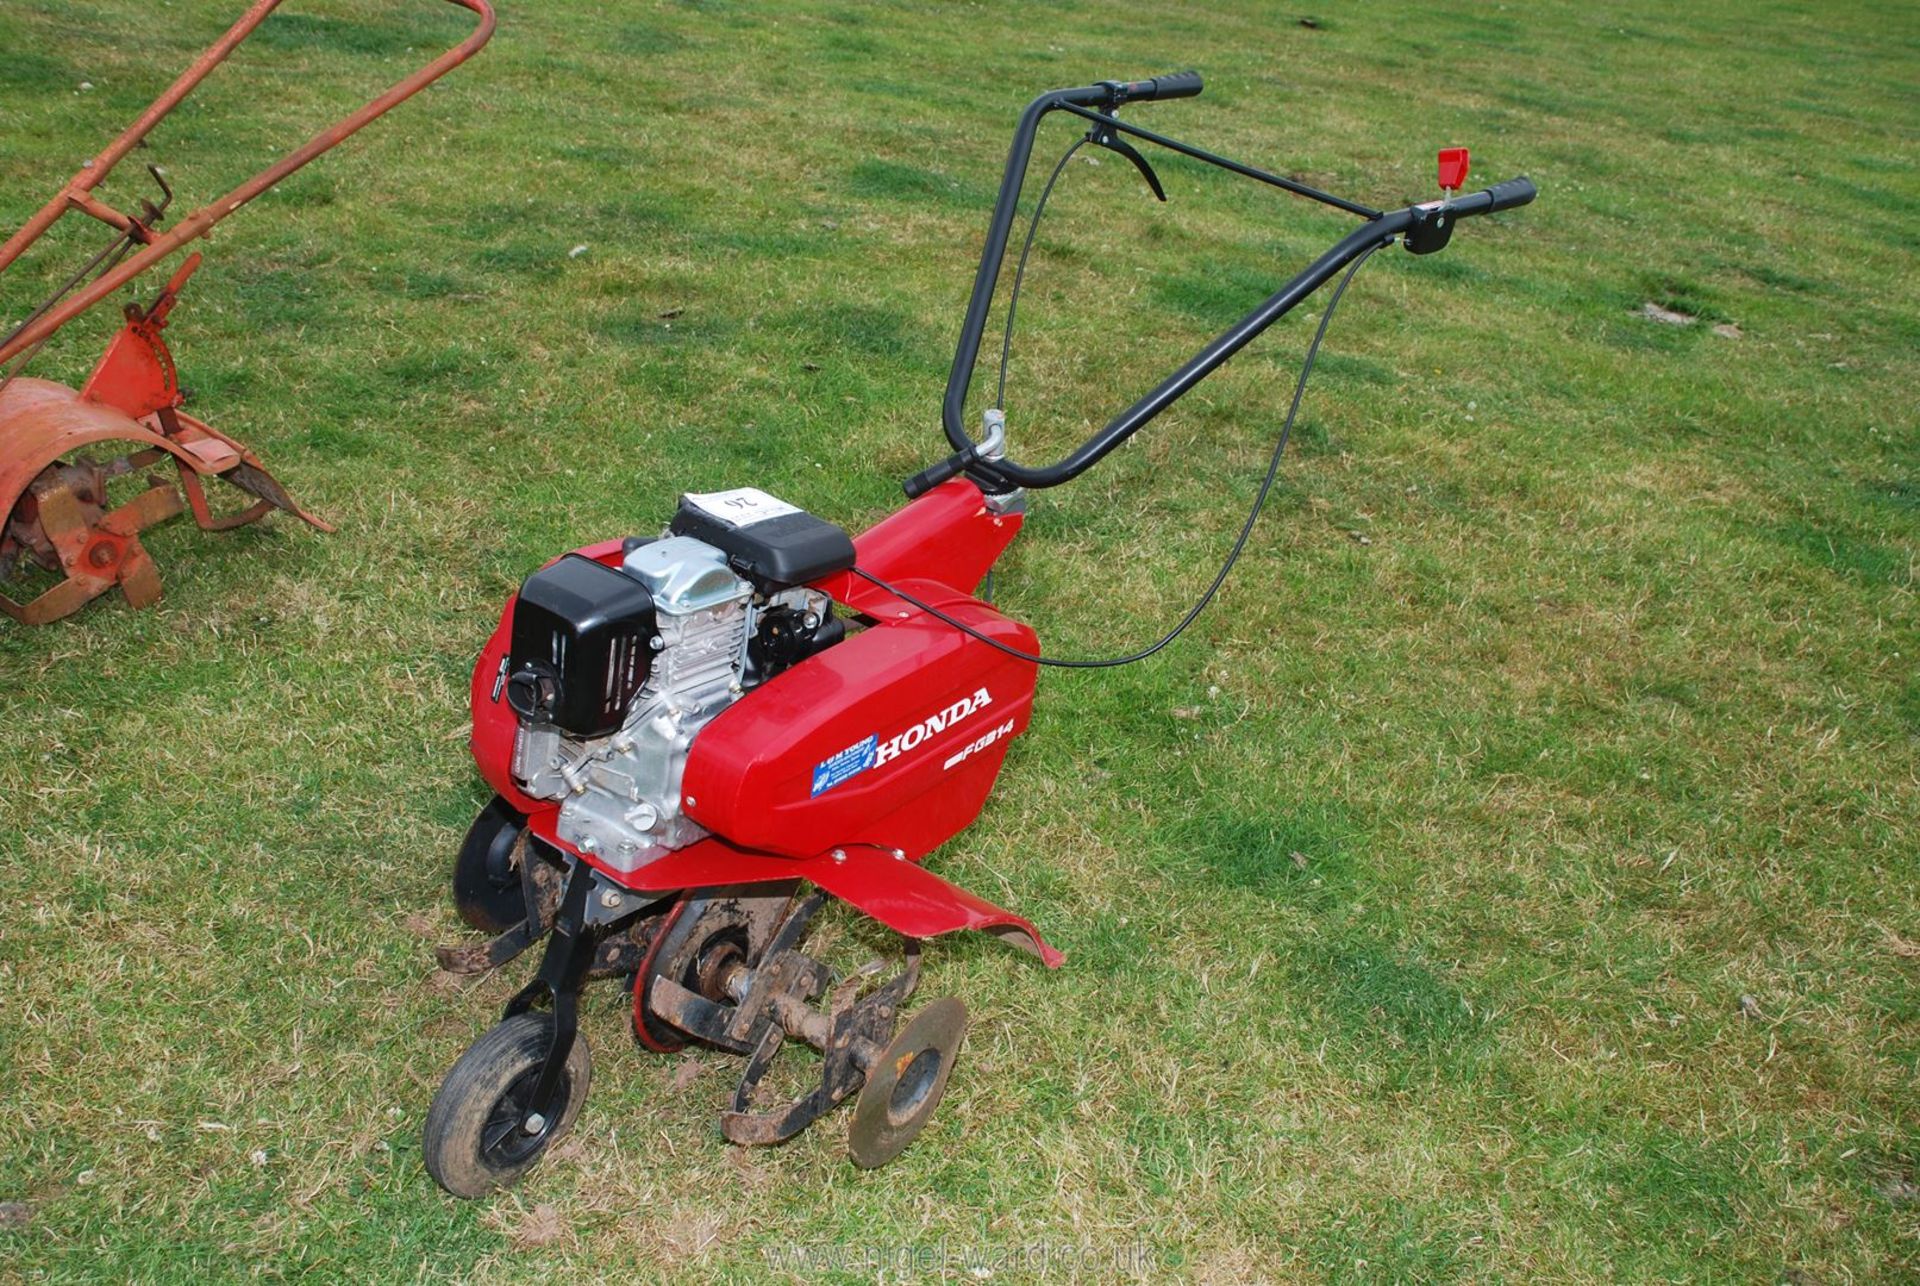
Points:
(56, 519)
(696, 740)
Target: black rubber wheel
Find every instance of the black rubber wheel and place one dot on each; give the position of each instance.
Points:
(474, 1137)
(486, 884)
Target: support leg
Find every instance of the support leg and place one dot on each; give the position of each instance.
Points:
(562, 971)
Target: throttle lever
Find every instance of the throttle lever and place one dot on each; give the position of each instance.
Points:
(1102, 135)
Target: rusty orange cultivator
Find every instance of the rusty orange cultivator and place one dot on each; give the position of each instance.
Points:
(57, 519)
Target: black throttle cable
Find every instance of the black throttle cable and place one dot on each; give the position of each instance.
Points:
(1239, 545)
(1020, 269)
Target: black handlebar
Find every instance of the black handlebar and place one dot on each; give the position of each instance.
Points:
(938, 472)
(1510, 195)
(1179, 84)
(1426, 228)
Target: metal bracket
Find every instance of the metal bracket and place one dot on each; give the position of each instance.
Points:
(610, 903)
(1431, 229)
(562, 971)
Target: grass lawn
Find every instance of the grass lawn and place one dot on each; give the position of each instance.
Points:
(1515, 875)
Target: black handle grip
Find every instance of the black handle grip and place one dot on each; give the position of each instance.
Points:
(1179, 84)
(1512, 194)
(935, 474)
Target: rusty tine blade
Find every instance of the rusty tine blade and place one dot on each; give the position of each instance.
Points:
(64, 523)
(139, 578)
(64, 599)
(156, 504)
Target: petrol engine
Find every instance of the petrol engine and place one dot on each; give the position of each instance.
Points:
(613, 671)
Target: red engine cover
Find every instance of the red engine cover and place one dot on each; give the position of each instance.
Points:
(885, 744)
(892, 738)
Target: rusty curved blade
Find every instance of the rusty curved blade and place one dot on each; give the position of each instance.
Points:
(64, 599)
(155, 504)
(139, 578)
(254, 480)
(65, 524)
(252, 513)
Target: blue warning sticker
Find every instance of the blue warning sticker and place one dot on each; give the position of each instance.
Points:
(849, 763)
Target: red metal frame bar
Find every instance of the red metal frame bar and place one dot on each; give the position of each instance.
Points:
(78, 192)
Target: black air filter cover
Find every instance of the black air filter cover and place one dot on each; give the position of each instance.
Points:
(766, 539)
(582, 646)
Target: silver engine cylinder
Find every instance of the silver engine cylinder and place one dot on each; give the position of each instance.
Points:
(620, 794)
